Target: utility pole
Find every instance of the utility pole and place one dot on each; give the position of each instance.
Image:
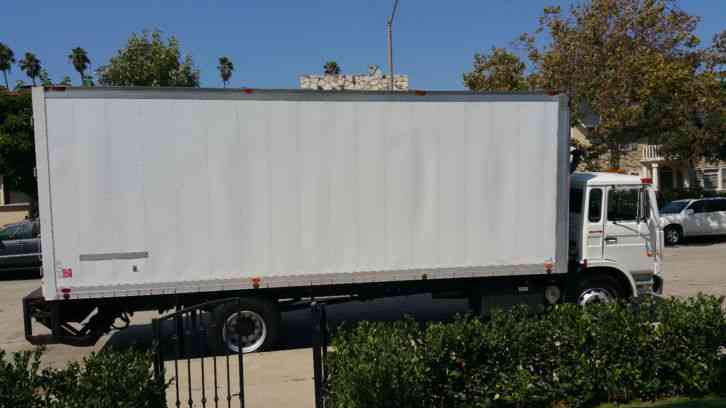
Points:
(390, 46)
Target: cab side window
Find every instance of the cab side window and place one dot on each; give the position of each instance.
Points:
(623, 205)
(594, 205)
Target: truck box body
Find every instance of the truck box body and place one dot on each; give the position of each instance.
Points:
(162, 191)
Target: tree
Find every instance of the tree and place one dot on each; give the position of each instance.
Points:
(45, 78)
(17, 151)
(66, 81)
(225, 68)
(7, 59)
(628, 62)
(30, 64)
(499, 71)
(80, 61)
(331, 68)
(148, 60)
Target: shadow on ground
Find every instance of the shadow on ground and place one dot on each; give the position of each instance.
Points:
(677, 403)
(296, 330)
(702, 241)
(13, 274)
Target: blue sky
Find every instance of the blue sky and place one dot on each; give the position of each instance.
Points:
(272, 42)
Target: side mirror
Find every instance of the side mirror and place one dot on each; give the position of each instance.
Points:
(690, 211)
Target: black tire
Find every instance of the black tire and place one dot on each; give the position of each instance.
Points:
(596, 289)
(672, 235)
(260, 324)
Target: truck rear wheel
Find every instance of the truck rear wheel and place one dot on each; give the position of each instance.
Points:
(255, 323)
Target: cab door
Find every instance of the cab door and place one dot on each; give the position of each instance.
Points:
(594, 231)
(626, 230)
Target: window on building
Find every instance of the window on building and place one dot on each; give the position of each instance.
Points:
(707, 178)
(623, 205)
(594, 208)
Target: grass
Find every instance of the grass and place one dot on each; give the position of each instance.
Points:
(709, 402)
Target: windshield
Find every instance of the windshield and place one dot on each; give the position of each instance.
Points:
(673, 207)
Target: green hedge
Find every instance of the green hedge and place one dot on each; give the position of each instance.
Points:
(567, 357)
(114, 379)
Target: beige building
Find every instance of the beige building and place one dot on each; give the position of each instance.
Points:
(647, 161)
(14, 206)
(374, 80)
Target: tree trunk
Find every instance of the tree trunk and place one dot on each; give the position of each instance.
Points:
(83, 78)
(7, 85)
(33, 78)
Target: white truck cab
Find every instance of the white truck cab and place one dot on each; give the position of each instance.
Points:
(616, 243)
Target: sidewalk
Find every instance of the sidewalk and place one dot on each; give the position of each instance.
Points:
(274, 379)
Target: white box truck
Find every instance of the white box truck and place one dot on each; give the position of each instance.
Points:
(152, 199)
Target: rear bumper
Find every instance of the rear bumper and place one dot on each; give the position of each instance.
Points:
(35, 307)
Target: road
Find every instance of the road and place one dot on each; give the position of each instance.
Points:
(283, 377)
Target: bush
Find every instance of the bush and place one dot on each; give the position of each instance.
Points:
(120, 379)
(565, 357)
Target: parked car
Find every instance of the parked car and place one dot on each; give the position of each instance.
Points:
(20, 246)
(693, 217)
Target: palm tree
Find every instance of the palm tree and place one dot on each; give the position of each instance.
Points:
(80, 61)
(7, 59)
(225, 69)
(331, 68)
(31, 65)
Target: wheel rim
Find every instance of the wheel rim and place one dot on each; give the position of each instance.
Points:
(595, 295)
(672, 236)
(251, 328)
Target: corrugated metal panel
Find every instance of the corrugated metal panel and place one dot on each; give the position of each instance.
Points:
(227, 189)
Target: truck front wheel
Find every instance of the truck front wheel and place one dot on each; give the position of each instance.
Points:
(252, 323)
(597, 289)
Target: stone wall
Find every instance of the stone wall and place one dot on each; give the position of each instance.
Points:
(374, 80)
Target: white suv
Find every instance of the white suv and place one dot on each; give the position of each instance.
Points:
(687, 218)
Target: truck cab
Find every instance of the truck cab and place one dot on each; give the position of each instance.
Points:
(616, 243)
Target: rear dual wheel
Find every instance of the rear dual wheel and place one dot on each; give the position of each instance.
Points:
(252, 323)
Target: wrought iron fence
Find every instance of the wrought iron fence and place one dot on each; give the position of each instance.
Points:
(180, 340)
(320, 351)
(180, 345)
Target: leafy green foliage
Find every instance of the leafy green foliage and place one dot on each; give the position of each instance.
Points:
(567, 357)
(331, 68)
(498, 71)
(121, 379)
(7, 59)
(17, 145)
(148, 60)
(225, 67)
(30, 64)
(634, 70)
(79, 59)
